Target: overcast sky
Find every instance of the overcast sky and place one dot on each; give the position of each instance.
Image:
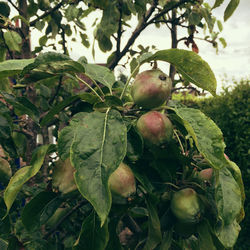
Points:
(230, 62)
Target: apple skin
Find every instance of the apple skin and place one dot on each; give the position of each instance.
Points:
(206, 174)
(122, 181)
(155, 128)
(186, 206)
(151, 88)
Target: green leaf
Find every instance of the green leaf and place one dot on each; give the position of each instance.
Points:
(23, 175)
(56, 109)
(97, 149)
(228, 234)
(227, 197)
(207, 136)
(93, 236)
(48, 65)
(13, 67)
(100, 74)
(217, 3)
(220, 26)
(33, 210)
(3, 244)
(109, 102)
(134, 145)
(205, 238)
(154, 227)
(166, 240)
(12, 40)
(223, 42)
(190, 65)
(5, 171)
(22, 106)
(231, 7)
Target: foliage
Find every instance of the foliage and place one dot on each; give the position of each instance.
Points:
(66, 128)
(94, 133)
(230, 111)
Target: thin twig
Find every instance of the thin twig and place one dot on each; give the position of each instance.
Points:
(47, 13)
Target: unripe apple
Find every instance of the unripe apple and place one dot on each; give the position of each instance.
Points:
(122, 181)
(185, 205)
(151, 88)
(63, 176)
(206, 174)
(155, 128)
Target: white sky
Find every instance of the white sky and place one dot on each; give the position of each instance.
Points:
(233, 62)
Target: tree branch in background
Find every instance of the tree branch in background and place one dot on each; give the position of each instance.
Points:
(47, 13)
(142, 25)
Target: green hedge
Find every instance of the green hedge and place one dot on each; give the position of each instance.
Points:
(231, 112)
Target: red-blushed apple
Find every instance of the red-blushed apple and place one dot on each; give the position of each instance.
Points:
(155, 128)
(151, 88)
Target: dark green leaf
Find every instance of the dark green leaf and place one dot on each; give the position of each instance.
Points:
(190, 65)
(32, 211)
(154, 227)
(100, 74)
(134, 145)
(227, 197)
(205, 237)
(97, 149)
(166, 240)
(109, 102)
(228, 234)
(93, 236)
(13, 40)
(5, 171)
(23, 175)
(207, 136)
(56, 109)
(231, 7)
(12, 67)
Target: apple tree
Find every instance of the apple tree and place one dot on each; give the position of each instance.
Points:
(90, 162)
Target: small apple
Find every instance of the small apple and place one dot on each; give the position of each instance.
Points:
(122, 181)
(186, 206)
(155, 128)
(151, 88)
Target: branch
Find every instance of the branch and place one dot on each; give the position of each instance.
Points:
(15, 7)
(142, 25)
(47, 13)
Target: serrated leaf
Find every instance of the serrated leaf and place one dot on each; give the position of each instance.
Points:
(190, 65)
(97, 149)
(23, 175)
(13, 40)
(33, 210)
(101, 74)
(228, 234)
(227, 197)
(93, 236)
(207, 136)
(231, 7)
(13, 67)
(49, 65)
